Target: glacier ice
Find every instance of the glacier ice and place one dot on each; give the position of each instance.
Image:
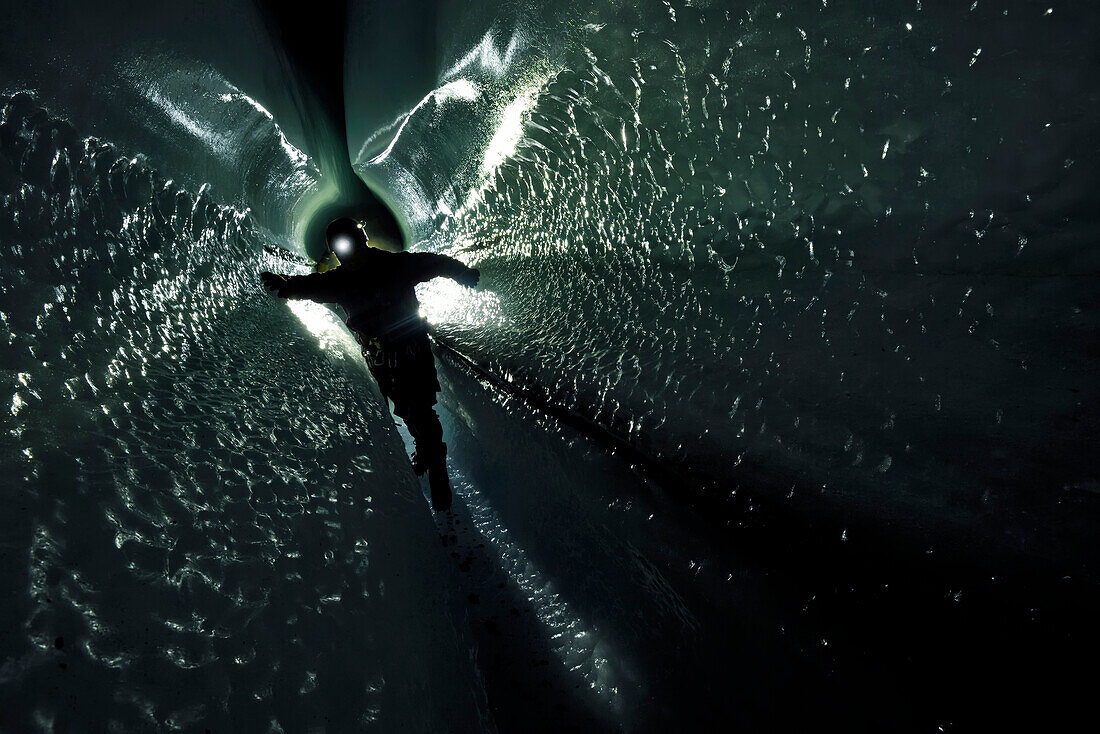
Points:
(777, 406)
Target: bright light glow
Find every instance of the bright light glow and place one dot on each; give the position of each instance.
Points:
(443, 301)
(343, 246)
(323, 324)
(509, 130)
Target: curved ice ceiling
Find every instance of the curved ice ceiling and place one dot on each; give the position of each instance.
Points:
(837, 258)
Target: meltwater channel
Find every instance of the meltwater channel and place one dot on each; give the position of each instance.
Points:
(776, 408)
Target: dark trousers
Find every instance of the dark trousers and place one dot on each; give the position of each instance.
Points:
(405, 372)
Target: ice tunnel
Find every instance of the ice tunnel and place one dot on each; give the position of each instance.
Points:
(775, 410)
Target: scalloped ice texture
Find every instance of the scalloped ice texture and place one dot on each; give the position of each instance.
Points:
(186, 478)
(839, 256)
(843, 259)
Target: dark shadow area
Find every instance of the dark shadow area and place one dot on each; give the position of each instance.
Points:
(519, 668)
(756, 615)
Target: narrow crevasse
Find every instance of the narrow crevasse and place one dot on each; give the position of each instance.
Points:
(775, 408)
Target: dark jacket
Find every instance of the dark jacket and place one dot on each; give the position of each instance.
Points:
(376, 290)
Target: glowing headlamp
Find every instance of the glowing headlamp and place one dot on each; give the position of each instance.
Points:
(343, 246)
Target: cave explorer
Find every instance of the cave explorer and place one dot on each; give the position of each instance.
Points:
(375, 289)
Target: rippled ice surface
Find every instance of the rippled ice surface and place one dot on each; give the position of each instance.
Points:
(838, 258)
(200, 523)
(841, 256)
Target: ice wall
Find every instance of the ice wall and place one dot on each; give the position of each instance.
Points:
(208, 513)
(836, 256)
(842, 255)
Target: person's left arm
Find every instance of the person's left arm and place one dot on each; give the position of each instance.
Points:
(423, 266)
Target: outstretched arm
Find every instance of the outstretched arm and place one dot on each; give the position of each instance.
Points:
(427, 265)
(314, 287)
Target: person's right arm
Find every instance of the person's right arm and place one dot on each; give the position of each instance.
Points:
(319, 287)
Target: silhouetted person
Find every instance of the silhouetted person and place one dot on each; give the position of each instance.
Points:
(375, 289)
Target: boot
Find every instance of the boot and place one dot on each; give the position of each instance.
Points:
(441, 487)
(419, 465)
(439, 482)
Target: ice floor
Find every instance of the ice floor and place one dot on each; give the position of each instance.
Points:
(600, 599)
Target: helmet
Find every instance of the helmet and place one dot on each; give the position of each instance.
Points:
(345, 237)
